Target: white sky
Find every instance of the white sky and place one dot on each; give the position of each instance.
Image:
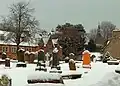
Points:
(50, 13)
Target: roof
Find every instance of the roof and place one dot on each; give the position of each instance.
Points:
(21, 44)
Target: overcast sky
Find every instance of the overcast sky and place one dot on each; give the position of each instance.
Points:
(50, 13)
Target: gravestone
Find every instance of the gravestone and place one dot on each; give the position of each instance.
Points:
(7, 62)
(21, 55)
(32, 57)
(27, 56)
(67, 60)
(72, 56)
(41, 56)
(72, 65)
(55, 58)
(4, 56)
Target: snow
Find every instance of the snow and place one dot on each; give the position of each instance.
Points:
(27, 52)
(55, 50)
(21, 63)
(100, 74)
(45, 84)
(86, 51)
(113, 61)
(40, 75)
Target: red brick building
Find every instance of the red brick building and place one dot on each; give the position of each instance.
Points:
(10, 48)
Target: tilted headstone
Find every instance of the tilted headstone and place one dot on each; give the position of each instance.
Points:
(72, 65)
(21, 55)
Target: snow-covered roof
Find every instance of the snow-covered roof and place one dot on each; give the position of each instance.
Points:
(21, 44)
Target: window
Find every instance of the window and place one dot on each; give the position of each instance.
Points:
(30, 49)
(27, 49)
(13, 49)
(4, 49)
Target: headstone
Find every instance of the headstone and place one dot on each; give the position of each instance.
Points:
(21, 55)
(67, 60)
(32, 57)
(41, 55)
(72, 56)
(27, 56)
(72, 65)
(4, 56)
(5, 80)
(86, 59)
(55, 58)
(7, 62)
(92, 58)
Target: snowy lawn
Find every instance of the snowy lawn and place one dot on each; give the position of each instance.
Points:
(90, 76)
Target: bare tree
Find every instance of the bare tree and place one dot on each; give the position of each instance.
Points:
(20, 23)
(93, 34)
(107, 27)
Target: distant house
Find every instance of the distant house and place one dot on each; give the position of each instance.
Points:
(10, 48)
(113, 44)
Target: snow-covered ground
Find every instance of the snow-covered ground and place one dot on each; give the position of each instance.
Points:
(90, 76)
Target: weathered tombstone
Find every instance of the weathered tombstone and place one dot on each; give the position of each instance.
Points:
(72, 56)
(41, 55)
(72, 65)
(4, 56)
(5, 80)
(92, 58)
(27, 56)
(21, 55)
(7, 62)
(41, 66)
(55, 58)
(67, 60)
(32, 57)
(86, 59)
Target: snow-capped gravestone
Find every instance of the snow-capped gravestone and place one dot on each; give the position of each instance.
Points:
(27, 56)
(41, 56)
(21, 55)
(4, 56)
(72, 56)
(32, 57)
(41, 66)
(117, 70)
(7, 62)
(44, 77)
(72, 65)
(5, 80)
(55, 61)
(67, 59)
(113, 62)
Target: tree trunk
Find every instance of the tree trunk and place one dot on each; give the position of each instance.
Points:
(17, 51)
